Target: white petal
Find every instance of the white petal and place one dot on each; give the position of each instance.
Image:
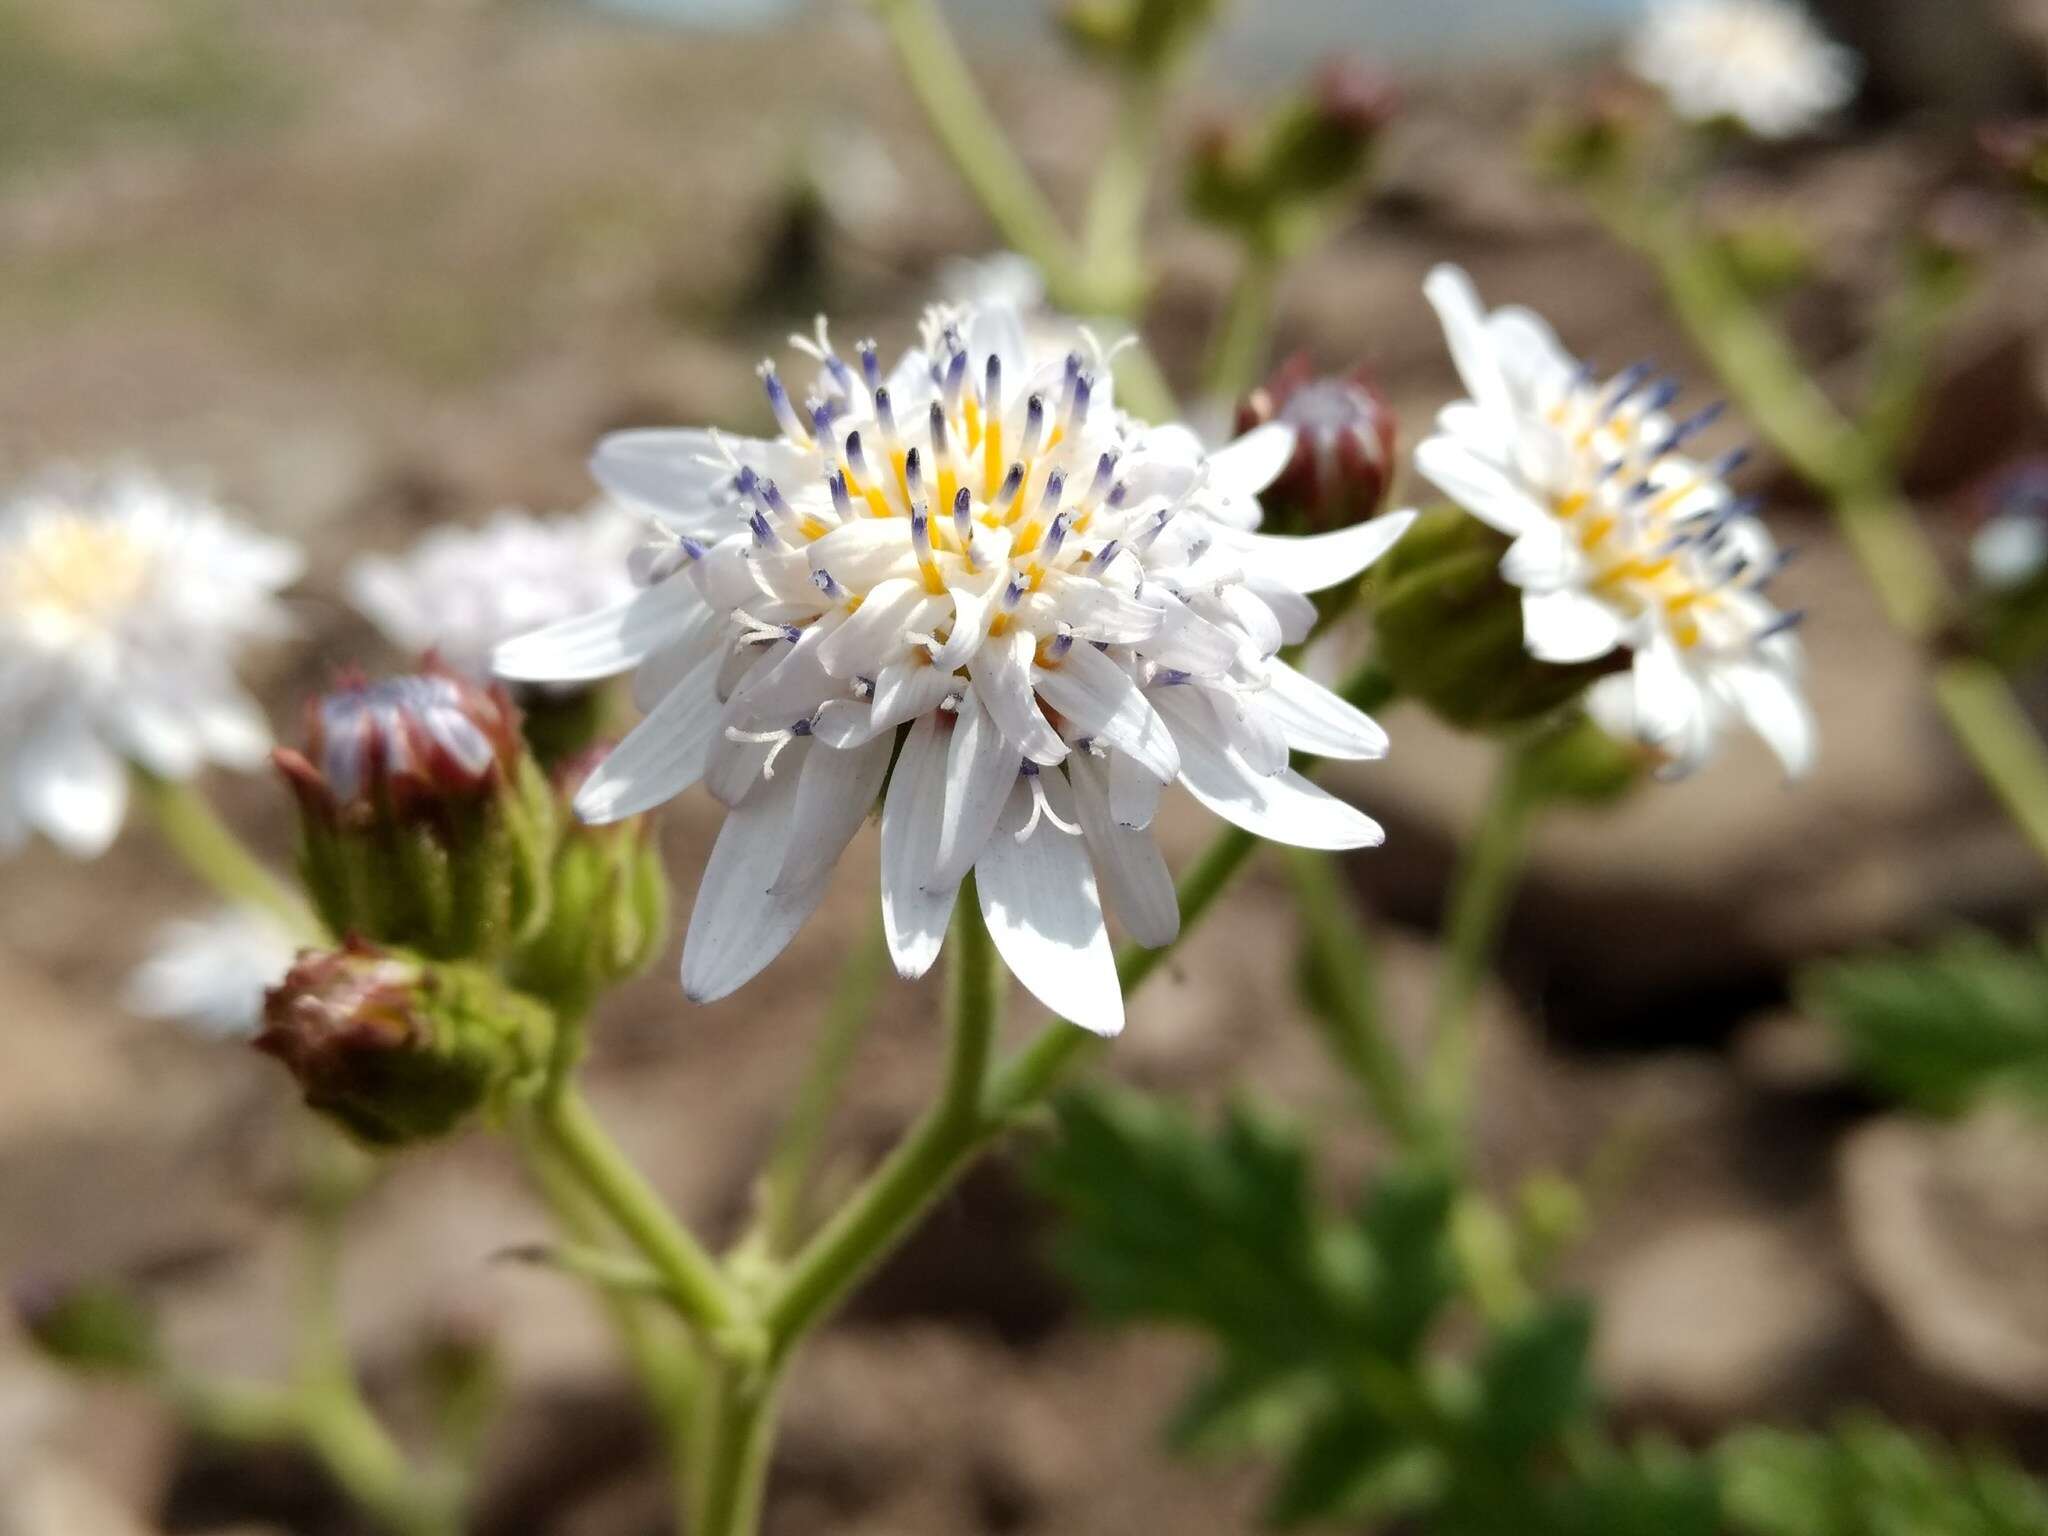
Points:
(907, 689)
(1284, 807)
(1188, 642)
(981, 769)
(1778, 712)
(872, 636)
(1542, 559)
(1254, 461)
(661, 756)
(1102, 701)
(1313, 719)
(1246, 728)
(1567, 626)
(1133, 793)
(1324, 559)
(607, 642)
(1098, 611)
(1485, 490)
(742, 918)
(1456, 302)
(71, 788)
(234, 731)
(1039, 900)
(1135, 880)
(916, 904)
(676, 474)
(1001, 671)
(833, 798)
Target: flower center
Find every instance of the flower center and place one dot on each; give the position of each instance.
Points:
(67, 572)
(991, 484)
(1652, 523)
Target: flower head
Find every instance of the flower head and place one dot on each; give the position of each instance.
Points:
(1343, 441)
(1761, 63)
(1057, 608)
(211, 972)
(396, 1049)
(123, 606)
(424, 820)
(1621, 537)
(460, 591)
(402, 743)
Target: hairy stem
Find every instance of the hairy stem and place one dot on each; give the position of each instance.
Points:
(697, 1286)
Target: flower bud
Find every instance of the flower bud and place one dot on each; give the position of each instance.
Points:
(2009, 567)
(397, 1049)
(1450, 628)
(425, 822)
(1309, 149)
(608, 908)
(1323, 142)
(1343, 445)
(94, 1325)
(1142, 36)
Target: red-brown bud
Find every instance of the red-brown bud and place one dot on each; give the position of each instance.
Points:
(1343, 450)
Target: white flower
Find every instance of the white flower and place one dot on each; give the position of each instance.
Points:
(1620, 538)
(123, 603)
(463, 591)
(2011, 549)
(1763, 63)
(1058, 609)
(210, 973)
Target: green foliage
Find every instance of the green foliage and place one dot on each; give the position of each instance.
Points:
(1872, 1479)
(1940, 1028)
(1324, 1323)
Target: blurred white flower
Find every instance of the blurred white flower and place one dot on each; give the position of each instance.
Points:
(210, 973)
(1620, 539)
(1059, 609)
(123, 605)
(1763, 63)
(2011, 549)
(462, 591)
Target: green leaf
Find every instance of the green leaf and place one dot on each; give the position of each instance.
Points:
(1654, 1489)
(1940, 1028)
(1869, 1478)
(1533, 1381)
(1350, 1465)
(1317, 1320)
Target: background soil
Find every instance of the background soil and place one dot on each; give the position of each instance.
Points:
(375, 264)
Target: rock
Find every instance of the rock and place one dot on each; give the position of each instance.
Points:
(1948, 1224)
(1723, 1317)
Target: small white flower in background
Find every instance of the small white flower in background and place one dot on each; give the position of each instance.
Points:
(2011, 549)
(1763, 63)
(460, 592)
(1059, 609)
(210, 973)
(1620, 538)
(124, 602)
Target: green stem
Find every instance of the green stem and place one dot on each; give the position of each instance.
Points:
(1239, 351)
(1342, 954)
(968, 131)
(663, 1367)
(739, 1431)
(202, 840)
(697, 1286)
(1980, 708)
(785, 1186)
(1479, 899)
(1114, 239)
(926, 1161)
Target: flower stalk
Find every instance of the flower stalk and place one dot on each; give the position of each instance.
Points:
(216, 855)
